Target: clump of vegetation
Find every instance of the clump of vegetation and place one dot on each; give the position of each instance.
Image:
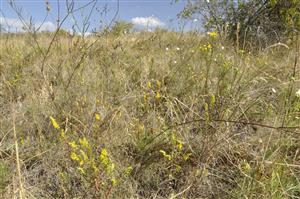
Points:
(254, 22)
(155, 114)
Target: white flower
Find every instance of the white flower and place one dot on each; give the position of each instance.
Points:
(175, 62)
(177, 48)
(222, 47)
(298, 93)
(273, 90)
(167, 49)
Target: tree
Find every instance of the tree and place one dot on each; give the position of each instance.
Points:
(256, 20)
(120, 28)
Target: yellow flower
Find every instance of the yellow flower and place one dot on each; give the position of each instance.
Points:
(158, 96)
(114, 181)
(84, 142)
(209, 46)
(245, 166)
(206, 47)
(149, 84)
(74, 157)
(158, 84)
(103, 155)
(186, 156)
(179, 145)
(168, 157)
(54, 123)
(94, 166)
(73, 145)
(111, 168)
(97, 116)
(128, 170)
(80, 169)
(213, 34)
(22, 141)
(84, 156)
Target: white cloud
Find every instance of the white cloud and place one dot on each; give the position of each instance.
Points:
(16, 25)
(11, 23)
(47, 26)
(147, 21)
(85, 34)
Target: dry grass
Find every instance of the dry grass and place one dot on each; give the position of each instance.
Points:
(148, 115)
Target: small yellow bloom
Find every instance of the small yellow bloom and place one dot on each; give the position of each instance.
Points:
(94, 166)
(84, 156)
(80, 169)
(178, 167)
(128, 170)
(84, 142)
(98, 116)
(103, 154)
(213, 34)
(111, 167)
(22, 141)
(168, 157)
(245, 166)
(158, 84)
(54, 123)
(114, 181)
(73, 145)
(209, 46)
(158, 96)
(186, 156)
(179, 146)
(74, 157)
(149, 84)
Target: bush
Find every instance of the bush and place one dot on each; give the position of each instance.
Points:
(257, 22)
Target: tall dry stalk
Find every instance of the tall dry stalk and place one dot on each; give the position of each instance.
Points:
(21, 192)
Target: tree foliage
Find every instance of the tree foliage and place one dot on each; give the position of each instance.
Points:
(260, 20)
(119, 28)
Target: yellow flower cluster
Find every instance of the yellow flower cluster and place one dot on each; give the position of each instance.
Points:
(167, 156)
(106, 162)
(56, 126)
(82, 154)
(98, 116)
(54, 123)
(205, 47)
(154, 91)
(212, 34)
(176, 142)
(177, 153)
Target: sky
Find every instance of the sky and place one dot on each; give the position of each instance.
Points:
(144, 14)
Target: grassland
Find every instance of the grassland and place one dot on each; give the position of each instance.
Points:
(148, 115)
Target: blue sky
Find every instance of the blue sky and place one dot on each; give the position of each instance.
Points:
(143, 13)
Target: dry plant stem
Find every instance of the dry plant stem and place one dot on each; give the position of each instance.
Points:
(226, 121)
(180, 193)
(287, 104)
(21, 191)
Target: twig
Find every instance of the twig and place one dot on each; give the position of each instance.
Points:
(180, 193)
(283, 164)
(225, 121)
(17, 158)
